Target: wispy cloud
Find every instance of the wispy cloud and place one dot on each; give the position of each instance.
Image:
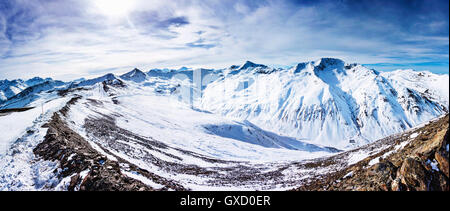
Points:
(74, 38)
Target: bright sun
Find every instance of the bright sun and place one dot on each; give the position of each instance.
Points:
(115, 8)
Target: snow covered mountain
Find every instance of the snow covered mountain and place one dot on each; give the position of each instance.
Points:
(31, 94)
(10, 88)
(248, 127)
(327, 101)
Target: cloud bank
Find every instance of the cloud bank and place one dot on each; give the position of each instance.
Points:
(74, 38)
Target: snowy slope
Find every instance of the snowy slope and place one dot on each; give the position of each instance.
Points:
(17, 124)
(433, 86)
(164, 118)
(155, 132)
(188, 138)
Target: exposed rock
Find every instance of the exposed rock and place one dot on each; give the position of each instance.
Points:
(74, 180)
(443, 162)
(414, 175)
(442, 156)
(382, 175)
(420, 165)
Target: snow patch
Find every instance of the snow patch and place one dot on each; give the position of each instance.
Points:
(143, 179)
(414, 135)
(357, 156)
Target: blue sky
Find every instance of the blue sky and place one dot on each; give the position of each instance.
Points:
(68, 39)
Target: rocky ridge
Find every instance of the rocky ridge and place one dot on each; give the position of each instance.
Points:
(422, 164)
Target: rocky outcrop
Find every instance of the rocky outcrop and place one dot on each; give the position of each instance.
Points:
(421, 165)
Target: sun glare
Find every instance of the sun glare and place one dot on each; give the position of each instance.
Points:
(114, 8)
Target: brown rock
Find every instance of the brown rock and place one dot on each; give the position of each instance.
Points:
(432, 143)
(380, 176)
(443, 162)
(383, 170)
(414, 175)
(73, 182)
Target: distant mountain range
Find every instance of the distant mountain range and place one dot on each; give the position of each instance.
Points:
(326, 102)
(10, 88)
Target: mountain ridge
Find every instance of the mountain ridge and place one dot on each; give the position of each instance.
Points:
(336, 98)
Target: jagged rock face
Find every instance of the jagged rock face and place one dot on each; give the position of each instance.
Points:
(249, 67)
(413, 175)
(76, 155)
(442, 158)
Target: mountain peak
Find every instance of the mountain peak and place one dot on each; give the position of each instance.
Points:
(234, 66)
(325, 63)
(299, 67)
(331, 61)
(135, 75)
(184, 68)
(36, 80)
(109, 76)
(320, 64)
(137, 71)
(249, 64)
